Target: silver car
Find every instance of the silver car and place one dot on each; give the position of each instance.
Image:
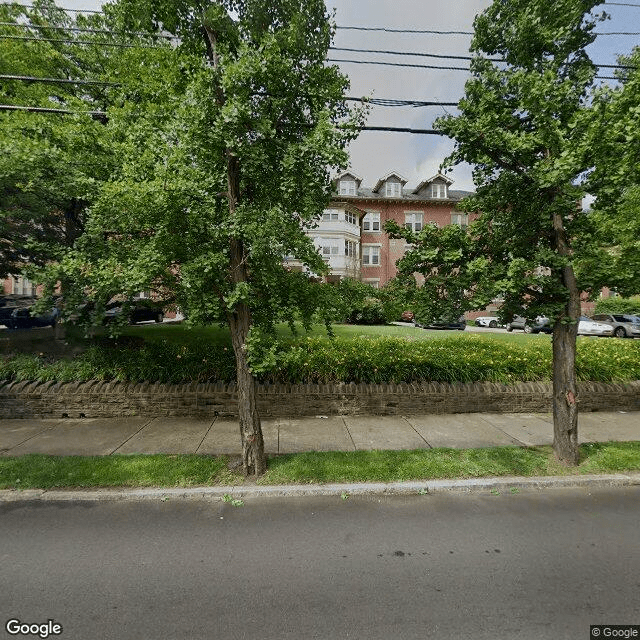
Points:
(588, 327)
(624, 326)
(540, 324)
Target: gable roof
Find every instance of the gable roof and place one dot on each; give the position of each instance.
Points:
(348, 174)
(381, 181)
(428, 181)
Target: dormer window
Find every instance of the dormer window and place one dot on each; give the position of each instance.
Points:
(438, 190)
(393, 190)
(347, 188)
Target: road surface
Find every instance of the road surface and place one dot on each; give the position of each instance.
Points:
(524, 565)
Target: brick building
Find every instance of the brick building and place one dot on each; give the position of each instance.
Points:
(351, 234)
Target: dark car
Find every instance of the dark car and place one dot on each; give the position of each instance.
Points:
(5, 315)
(540, 325)
(27, 318)
(139, 311)
(458, 324)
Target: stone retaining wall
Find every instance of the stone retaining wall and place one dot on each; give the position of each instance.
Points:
(107, 399)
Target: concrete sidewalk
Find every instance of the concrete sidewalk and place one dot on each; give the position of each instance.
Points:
(107, 436)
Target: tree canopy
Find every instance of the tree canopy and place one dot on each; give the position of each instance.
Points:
(50, 164)
(523, 125)
(224, 145)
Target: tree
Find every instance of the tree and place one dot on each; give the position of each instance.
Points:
(614, 146)
(50, 164)
(225, 144)
(522, 125)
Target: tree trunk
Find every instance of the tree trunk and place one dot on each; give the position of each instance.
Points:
(565, 331)
(565, 407)
(254, 461)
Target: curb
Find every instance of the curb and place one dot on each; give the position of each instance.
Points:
(466, 486)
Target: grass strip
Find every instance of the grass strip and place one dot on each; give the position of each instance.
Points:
(49, 472)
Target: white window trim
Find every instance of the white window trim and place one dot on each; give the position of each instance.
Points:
(371, 218)
(417, 217)
(393, 189)
(347, 188)
(368, 255)
(438, 190)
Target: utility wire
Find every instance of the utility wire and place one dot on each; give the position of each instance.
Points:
(450, 57)
(380, 102)
(380, 51)
(57, 80)
(32, 6)
(425, 66)
(385, 29)
(87, 30)
(70, 41)
(7, 107)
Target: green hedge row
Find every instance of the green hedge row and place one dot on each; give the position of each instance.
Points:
(322, 360)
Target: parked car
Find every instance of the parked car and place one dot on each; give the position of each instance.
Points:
(488, 321)
(5, 315)
(26, 318)
(459, 324)
(588, 327)
(138, 311)
(540, 324)
(624, 326)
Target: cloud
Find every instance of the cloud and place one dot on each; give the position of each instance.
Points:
(415, 157)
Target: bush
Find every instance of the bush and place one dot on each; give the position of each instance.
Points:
(322, 360)
(370, 311)
(619, 305)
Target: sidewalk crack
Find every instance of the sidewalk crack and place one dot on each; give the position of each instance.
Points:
(344, 422)
(206, 434)
(146, 424)
(419, 434)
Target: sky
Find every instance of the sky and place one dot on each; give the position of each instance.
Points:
(416, 157)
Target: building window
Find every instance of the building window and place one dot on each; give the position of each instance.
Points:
(347, 188)
(371, 222)
(350, 249)
(413, 221)
(350, 217)
(393, 190)
(461, 219)
(370, 256)
(438, 190)
(331, 214)
(372, 282)
(23, 287)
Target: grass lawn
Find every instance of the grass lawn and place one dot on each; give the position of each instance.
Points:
(220, 335)
(48, 472)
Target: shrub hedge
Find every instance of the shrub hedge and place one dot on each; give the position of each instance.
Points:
(323, 360)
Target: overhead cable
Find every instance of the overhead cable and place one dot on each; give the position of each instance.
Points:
(71, 41)
(57, 80)
(87, 30)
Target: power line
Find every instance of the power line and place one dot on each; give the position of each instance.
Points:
(7, 107)
(623, 4)
(451, 57)
(87, 30)
(353, 50)
(57, 80)
(400, 64)
(386, 29)
(425, 66)
(14, 107)
(71, 41)
(32, 6)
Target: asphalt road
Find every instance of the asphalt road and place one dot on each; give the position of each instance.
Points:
(533, 565)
